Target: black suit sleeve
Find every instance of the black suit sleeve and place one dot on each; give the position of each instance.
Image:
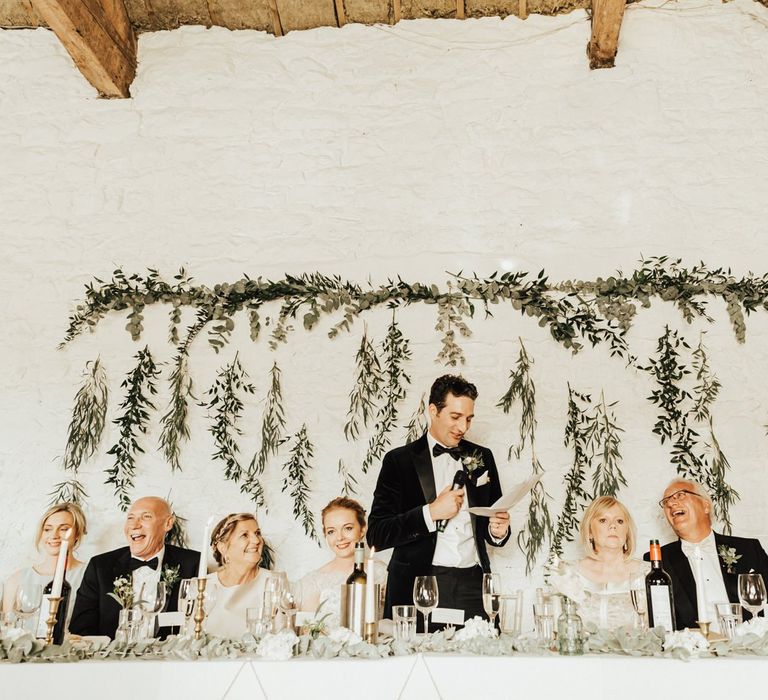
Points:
(390, 523)
(85, 615)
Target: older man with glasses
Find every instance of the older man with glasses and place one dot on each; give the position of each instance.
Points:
(704, 565)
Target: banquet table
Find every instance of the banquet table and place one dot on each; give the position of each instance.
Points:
(415, 677)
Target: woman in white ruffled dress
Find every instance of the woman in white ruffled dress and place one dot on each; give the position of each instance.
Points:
(600, 582)
(343, 525)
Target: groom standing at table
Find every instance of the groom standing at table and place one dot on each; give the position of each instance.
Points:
(704, 565)
(428, 524)
(145, 561)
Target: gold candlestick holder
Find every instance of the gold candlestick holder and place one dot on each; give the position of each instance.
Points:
(199, 617)
(53, 613)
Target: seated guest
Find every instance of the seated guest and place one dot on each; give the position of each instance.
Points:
(56, 521)
(343, 525)
(699, 562)
(145, 560)
(600, 582)
(240, 582)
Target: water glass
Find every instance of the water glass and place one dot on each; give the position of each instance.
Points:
(257, 621)
(404, 617)
(728, 617)
(152, 604)
(511, 613)
(129, 625)
(544, 618)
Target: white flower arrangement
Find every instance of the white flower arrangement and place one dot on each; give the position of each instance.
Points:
(686, 643)
(474, 629)
(564, 579)
(757, 626)
(342, 636)
(277, 647)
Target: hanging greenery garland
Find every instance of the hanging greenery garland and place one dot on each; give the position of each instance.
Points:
(348, 481)
(417, 423)
(603, 434)
(297, 469)
(538, 524)
(368, 382)
(139, 385)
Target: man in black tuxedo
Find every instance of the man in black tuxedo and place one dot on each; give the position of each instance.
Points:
(704, 565)
(416, 511)
(146, 559)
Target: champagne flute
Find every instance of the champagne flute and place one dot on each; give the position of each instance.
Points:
(639, 601)
(752, 594)
(491, 596)
(187, 596)
(27, 601)
(425, 596)
(154, 603)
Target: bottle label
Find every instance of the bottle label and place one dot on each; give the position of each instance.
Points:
(662, 611)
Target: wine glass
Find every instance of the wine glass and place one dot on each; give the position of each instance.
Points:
(752, 593)
(639, 601)
(491, 596)
(425, 596)
(153, 603)
(27, 601)
(187, 597)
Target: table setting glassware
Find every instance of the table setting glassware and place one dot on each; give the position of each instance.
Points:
(511, 612)
(187, 597)
(752, 594)
(491, 596)
(152, 603)
(729, 616)
(26, 602)
(404, 617)
(544, 620)
(425, 596)
(639, 601)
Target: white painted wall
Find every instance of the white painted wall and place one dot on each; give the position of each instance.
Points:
(427, 147)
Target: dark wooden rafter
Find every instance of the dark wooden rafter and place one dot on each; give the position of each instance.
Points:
(341, 15)
(606, 24)
(98, 36)
(274, 13)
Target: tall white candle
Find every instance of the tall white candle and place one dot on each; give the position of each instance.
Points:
(61, 565)
(202, 570)
(370, 591)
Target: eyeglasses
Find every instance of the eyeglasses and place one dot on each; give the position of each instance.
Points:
(680, 495)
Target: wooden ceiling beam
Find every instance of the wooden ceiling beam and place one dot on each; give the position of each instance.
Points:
(98, 36)
(606, 24)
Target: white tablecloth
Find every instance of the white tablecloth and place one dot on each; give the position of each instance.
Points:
(419, 677)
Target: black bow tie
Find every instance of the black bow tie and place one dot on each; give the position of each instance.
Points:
(438, 450)
(137, 563)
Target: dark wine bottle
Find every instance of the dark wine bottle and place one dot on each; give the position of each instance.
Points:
(358, 573)
(658, 590)
(59, 628)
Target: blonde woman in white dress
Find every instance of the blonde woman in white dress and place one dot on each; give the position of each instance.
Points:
(343, 525)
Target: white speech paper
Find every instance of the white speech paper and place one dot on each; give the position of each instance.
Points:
(508, 501)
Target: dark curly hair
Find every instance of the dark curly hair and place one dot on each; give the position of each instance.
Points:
(450, 384)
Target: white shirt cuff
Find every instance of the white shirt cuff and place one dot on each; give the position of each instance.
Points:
(431, 526)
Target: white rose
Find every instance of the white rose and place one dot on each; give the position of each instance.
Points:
(277, 647)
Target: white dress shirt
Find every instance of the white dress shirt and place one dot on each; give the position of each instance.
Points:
(145, 579)
(456, 544)
(710, 587)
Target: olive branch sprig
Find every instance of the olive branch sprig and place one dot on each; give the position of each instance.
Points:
(417, 423)
(368, 382)
(226, 407)
(297, 469)
(139, 386)
(605, 441)
(348, 482)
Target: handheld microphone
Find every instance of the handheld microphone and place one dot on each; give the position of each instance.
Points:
(459, 480)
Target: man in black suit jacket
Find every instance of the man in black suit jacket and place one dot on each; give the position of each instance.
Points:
(145, 560)
(416, 512)
(700, 563)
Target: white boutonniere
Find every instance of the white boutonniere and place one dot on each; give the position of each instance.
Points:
(473, 465)
(170, 575)
(729, 557)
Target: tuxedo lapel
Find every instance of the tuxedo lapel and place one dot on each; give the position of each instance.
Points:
(422, 463)
(122, 565)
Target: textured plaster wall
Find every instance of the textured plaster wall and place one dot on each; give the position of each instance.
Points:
(372, 152)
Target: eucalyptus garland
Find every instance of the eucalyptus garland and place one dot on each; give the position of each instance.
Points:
(368, 381)
(85, 430)
(348, 481)
(226, 406)
(605, 441)
(417, 423)
(452, 308)
(297, 469)
(139, 385)
(705, 392)
(576, 495)
(538, 523)
(272, 436)
(396, 351)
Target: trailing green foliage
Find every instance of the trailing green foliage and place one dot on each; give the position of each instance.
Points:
(349, 483)
(297, 469)
(272, 436)
(368, 381)
(452, 309)
(538, 523)
(226, 408)
(417, 424)
(603, 434)
(139, 385)
(576, 495)
(395, 350)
